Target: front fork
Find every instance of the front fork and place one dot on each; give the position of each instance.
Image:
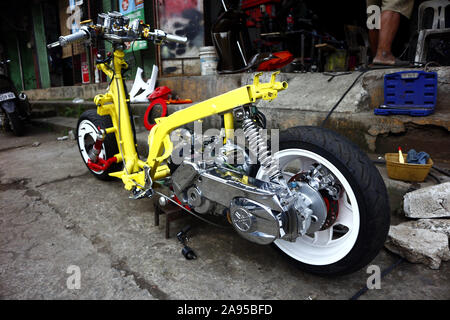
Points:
(114, 103)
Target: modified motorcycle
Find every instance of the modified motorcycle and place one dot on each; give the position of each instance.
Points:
(14, 107)
(318, 199)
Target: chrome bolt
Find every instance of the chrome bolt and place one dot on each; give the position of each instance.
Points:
(162, 201)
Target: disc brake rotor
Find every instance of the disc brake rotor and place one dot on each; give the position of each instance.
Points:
(332, 210)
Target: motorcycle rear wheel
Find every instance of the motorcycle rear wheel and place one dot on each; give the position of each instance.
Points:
(361, 228)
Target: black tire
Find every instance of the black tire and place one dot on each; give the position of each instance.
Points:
(16, 124)
(109, 144)
(367, 185)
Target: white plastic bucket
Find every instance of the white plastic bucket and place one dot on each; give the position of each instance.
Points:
(208, 60)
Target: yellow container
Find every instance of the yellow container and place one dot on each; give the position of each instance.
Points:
(406, 171)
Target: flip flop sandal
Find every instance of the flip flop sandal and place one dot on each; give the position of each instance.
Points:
(397, 63)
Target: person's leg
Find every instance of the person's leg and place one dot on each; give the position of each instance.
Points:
(373, 41)
(373, 33)
(390, 20)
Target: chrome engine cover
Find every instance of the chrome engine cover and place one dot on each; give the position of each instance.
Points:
(254, 222)
(214, 185)
(255, 212)
(260, 211)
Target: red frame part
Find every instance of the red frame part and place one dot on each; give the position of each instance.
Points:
(101, 164)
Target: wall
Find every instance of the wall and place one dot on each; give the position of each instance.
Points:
(29, 77)
(17, 32)
(183, 18)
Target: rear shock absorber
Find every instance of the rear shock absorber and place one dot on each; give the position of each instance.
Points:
(95, 162)
(97, 148)
(258, 146)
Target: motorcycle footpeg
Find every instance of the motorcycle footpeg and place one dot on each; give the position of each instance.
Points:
(137, 194)
(188, 253)
(182, 235)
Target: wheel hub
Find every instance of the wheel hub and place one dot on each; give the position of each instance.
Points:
(310, 208)
(321, 217)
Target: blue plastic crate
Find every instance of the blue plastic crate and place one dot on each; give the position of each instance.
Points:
(416, 112)
(409, 92)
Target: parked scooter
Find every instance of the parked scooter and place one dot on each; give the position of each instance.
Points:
(15, 109)
(319, 200)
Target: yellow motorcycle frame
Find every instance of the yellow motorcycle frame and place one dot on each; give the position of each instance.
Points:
(140, 174)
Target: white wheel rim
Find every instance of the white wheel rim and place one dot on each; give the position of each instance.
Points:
(321, 249)
(86, 127)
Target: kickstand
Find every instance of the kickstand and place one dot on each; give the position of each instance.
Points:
(187, 252)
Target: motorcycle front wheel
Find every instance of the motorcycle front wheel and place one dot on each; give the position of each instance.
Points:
(16, 124)
(360, 229)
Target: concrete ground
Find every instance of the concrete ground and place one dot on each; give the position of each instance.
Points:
(54, 214)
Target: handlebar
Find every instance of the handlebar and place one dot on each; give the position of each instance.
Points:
(175, 38)
(116, 28)
(80, 35)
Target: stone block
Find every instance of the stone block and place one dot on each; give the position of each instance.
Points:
(418, 245)
(429, 202)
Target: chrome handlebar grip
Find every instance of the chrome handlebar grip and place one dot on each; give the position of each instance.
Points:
(81, 35)
(53, 45)
(160, 36)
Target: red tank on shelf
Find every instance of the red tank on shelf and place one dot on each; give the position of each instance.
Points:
(253, 10)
